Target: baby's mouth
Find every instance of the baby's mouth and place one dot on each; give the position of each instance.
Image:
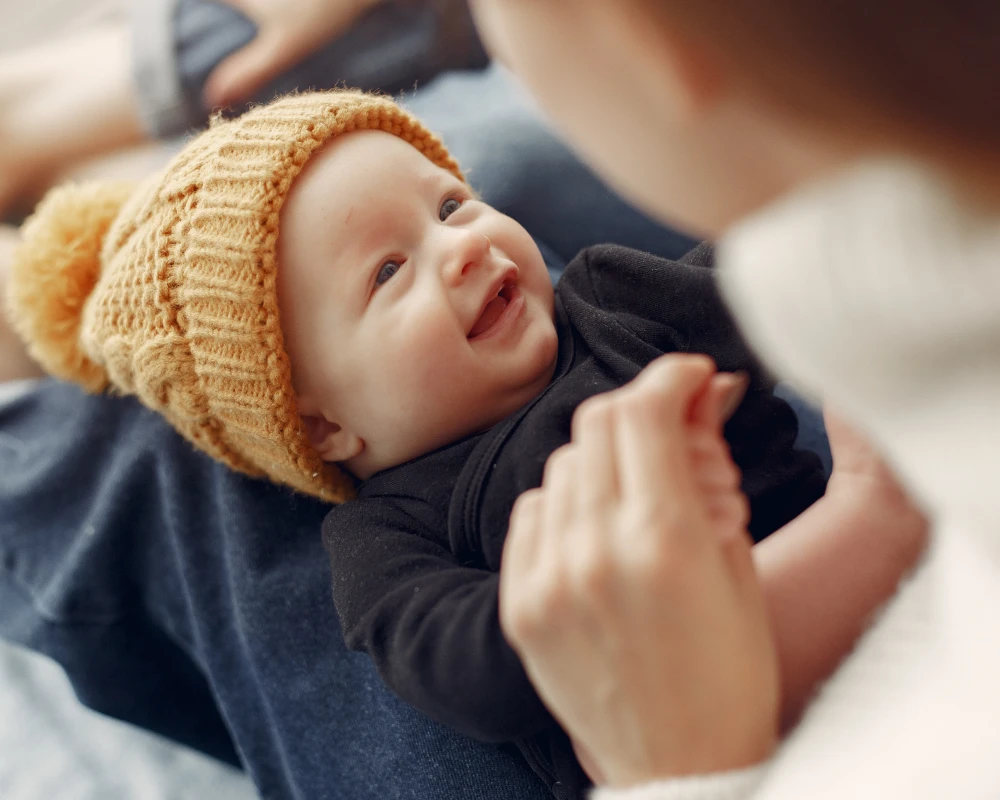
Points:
(493, 310)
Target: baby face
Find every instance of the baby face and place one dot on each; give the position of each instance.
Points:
(413, 313)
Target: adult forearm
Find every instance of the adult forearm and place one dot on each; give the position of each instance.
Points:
(63, 102)
(825, 574)
(14, 360)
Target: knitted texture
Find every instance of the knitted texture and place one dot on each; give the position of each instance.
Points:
(169, 292)
(734, 785)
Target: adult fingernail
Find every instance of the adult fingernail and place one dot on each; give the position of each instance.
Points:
(734, 389)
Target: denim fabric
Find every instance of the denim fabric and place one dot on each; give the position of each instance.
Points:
(195, 602)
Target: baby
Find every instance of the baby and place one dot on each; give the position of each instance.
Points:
(312, 293)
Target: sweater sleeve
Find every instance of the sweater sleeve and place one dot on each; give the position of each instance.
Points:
(430, 624)
(736, 785)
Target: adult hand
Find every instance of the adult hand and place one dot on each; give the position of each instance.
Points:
(287, 32)
(628, 590)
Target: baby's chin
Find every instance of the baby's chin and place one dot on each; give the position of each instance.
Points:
(376, 459)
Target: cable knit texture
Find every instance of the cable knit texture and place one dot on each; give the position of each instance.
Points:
(880, 292)
(168, 292)
(733, 785)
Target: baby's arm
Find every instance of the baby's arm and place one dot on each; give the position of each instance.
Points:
(826, 572)
(430, 624)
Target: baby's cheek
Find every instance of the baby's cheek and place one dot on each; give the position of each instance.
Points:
(427, 362)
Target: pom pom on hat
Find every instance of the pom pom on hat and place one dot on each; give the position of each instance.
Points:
(55, 269)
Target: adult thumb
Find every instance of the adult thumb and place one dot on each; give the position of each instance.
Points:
(237, 78)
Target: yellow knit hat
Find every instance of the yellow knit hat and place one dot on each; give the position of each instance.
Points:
(167, 290)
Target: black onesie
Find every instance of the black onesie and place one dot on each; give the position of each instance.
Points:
(416, 557)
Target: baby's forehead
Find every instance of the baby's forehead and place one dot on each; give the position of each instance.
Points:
(372, 157)
(353, 195)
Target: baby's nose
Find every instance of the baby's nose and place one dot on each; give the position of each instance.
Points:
(469, 252)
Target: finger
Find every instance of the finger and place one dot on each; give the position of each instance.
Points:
(713, 474)
(520, 556)
(521, 544)
(738, 557)
(735, 389)
(729, 509)
(593, 429)
(707, 442)
(651, 432)
(560, 485)
(725, 392)
(238, 77)
(710, 454)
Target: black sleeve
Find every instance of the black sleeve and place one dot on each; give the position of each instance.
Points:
(675, 306)
(430, 624)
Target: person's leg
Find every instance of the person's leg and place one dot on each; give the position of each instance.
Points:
(195, 602)
(122, 84)
(392, 48)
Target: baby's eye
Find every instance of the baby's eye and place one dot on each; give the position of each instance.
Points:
(449, 207)
(386, 271)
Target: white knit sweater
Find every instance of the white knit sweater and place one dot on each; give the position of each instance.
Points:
(880, 293)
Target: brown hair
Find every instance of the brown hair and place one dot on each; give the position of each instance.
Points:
(919, 75)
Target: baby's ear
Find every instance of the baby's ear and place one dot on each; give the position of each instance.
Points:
(330, 440)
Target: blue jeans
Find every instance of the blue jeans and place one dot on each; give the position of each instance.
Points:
(195, 602)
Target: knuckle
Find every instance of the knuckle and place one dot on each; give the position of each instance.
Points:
(525, 508)
(640, 399)
(531, 617)
(593, 412)
(527, 502)
(680, 369)
(736, 474)
(558, 461)
(519, 621)
(743, 509)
